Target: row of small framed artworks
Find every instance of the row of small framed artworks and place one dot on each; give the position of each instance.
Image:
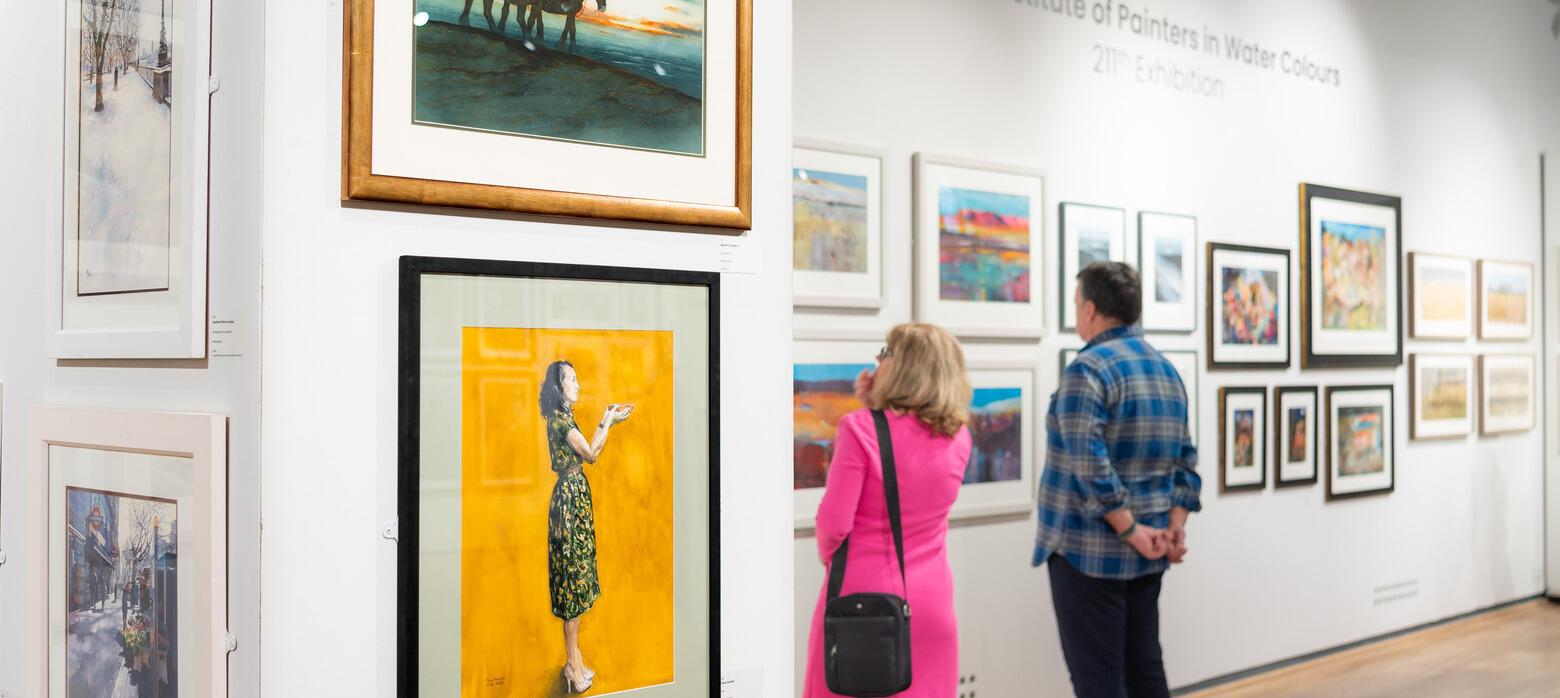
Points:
(979, 240)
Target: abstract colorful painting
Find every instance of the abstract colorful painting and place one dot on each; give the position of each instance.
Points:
(122, 595)
(1294, 435)
(821, 395)
(1242, 439)
(1245, 438)
(1296, 428)
(123, 189)
(629, 76)
(1249, 303)
(830, 221)
(996, 435)
(561, 517)
(1361, 440)
(1353, 276)
(983, 246)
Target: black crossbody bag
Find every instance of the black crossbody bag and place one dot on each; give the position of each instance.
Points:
(866, 637)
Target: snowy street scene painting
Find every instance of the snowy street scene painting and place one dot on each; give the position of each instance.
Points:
(125, 137)
(121, 587)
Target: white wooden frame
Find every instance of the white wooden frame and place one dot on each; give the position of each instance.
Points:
(970, 318)
(168, 324)
(1490, 425)
(1488, 329)
(822, 289)
(202, 438)
(1169, 317)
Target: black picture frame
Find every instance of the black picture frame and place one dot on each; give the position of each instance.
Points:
(1065, 298)
(1390, 439)
(1308, 357)
(1258, 433)
(412, 270)
(1212, 306)
(1279, 432)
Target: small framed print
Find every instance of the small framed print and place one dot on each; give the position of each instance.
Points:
(1440, 390)
(1000, 476)
(1167, 261)
(1248, 307)
(1505, 300)
(1243, 412)
(1440, 296)
(979, 233)
(129, 528)
(1360, 447)
(1089, 234)
(1294, 436)
(1350, 306)
(823, 379)
(837, 231)
(1506, 393)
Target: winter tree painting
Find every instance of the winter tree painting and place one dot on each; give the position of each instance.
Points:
(125, 138)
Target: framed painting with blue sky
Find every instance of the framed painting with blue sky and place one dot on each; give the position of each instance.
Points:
(979, 232)
(837, 226)
(640, 110)
(1000, 477)
(1351, 306)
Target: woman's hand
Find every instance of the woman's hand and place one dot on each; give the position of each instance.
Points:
(864, 385)
(617, 414)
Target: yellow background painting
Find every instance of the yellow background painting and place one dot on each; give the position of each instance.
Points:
(511, 644)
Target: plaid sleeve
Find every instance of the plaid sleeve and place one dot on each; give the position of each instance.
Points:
(1188, 484)
(1081, 415)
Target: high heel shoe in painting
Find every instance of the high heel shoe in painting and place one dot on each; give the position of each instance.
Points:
(582, 686)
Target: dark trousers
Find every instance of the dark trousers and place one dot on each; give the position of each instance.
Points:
(1110, 632)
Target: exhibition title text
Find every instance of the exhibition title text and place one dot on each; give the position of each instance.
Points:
(1140, 21)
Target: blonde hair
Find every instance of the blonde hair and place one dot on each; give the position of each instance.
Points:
(926, 377)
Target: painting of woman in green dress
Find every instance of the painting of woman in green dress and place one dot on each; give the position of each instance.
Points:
(571, 526)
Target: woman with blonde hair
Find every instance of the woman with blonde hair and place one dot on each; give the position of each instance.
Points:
(921, 385)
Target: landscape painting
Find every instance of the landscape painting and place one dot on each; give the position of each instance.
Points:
(1169, 272)
(628, 75)
(1506, 297)
(822, 394)
(1443, 294)
(1444, 394)
(123, 190)
(983, 246)
(1361, 440)
(1354, 283)
(1249, 299)
(830, 221)
(122, 595)
(1507, 387)
(996, 435)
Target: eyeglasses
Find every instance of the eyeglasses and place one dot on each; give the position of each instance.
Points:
(884, 353)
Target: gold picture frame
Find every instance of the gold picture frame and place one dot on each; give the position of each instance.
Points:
(360, 183)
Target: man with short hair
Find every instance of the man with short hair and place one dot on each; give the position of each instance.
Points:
(1118, 484)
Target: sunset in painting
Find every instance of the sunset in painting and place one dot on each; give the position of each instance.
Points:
(821, 395)
(983, 246)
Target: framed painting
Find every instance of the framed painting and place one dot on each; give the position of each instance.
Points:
(1089, 234)
(1440, 390)
(431, 115)
(1000, 477)
(1242, 414)
(128, 262)
(837, 230)
(1505, 300)
(1350, 304)
(979, 231)
(1507, 386)
(558, 454)
(1440, 296)
(1360, 445)
(129, 523)
(1294, 436)
(1248, 307)
(1185, 363)
(823, 379)
(1167, 262)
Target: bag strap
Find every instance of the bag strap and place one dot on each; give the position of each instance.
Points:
(891, 492)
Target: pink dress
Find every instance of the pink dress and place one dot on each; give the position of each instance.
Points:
(931, 468)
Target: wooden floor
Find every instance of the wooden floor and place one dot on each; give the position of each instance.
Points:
(1514, 651)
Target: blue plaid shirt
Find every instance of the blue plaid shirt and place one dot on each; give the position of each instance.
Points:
(1116, 436)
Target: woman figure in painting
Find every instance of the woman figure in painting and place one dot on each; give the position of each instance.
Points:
(921, 384)
(571, 522)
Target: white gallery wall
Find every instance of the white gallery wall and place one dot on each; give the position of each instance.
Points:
(32, 44)
(1441, 103)
(330, 312)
